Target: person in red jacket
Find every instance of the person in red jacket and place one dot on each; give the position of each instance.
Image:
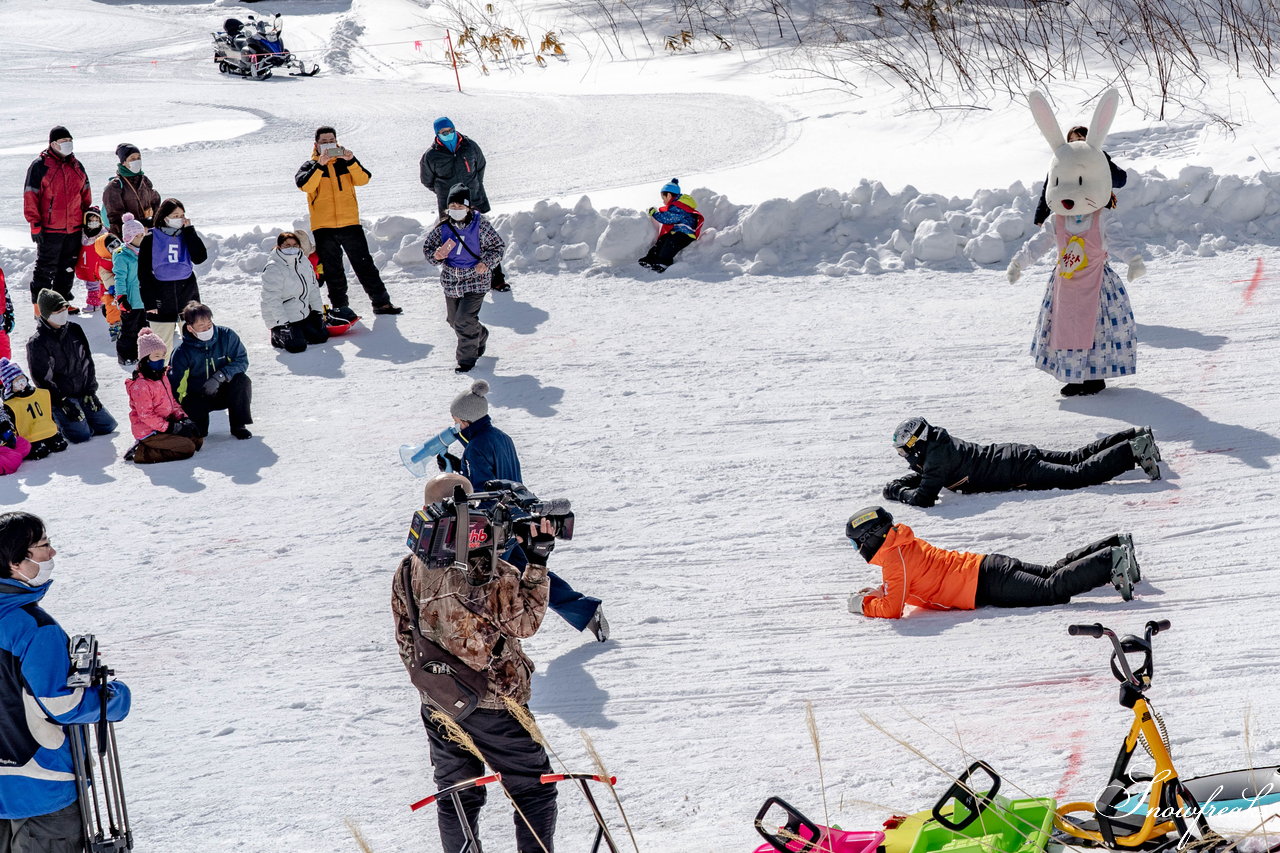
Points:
(921, 575)
(55, 198)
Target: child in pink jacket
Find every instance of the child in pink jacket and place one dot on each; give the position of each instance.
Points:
(13, 447)
(162, 428)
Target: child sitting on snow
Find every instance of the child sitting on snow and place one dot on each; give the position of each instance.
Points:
(916, 573)
(6, 318)
(13, 447)
(681, 225)
(162, 428)
(31, 411)
(87, 267)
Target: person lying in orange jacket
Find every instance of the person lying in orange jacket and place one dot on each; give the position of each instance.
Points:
(922, 575)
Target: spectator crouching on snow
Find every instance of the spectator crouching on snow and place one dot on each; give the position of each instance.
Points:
(60, 361)
(292, 305)
(207, 372)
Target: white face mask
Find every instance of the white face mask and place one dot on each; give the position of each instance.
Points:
(19, 385)
(45, 571)
(206, 335)
(457, 215)
(58, 318)
(65, 148)
(173, 223)
(291, 251)
(134, 166)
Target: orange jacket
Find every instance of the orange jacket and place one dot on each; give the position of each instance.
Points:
(919, 574)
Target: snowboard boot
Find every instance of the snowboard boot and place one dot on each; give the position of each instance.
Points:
(1124, 567)
(599, 625)
(1146, 453)
(1094, 547)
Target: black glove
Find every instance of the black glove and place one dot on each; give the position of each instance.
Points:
(449, 462)
(539, 548)
(122, 302)
(8, 437)
(6, 324)
(91, 403)
(70, 411)
(500, 286)
(893, 490)
(214, 382)
(184, 427)
(35, 237)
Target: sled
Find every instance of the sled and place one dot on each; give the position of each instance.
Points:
(338, 327)
(979, 820)
(801, 835)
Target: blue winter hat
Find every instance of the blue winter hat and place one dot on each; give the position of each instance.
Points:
(441, 124)
(9, 371)
(673, 187)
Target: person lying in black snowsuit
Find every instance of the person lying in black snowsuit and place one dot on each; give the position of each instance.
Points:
(939, 462)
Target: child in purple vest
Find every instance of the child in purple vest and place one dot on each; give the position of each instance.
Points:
(166, 268)
(466, 248)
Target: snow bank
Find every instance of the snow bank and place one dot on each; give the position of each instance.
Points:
(867, 230)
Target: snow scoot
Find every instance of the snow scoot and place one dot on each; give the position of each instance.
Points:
(102, 796)
(1169, 812)
(801, 835)
(254, 49)
(453, 792)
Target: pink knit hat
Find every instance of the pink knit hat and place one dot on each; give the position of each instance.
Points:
(130, 228)
(149, 344)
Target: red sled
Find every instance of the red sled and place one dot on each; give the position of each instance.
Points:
(338, 327)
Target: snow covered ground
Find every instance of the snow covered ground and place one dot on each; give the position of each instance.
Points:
(714, 430)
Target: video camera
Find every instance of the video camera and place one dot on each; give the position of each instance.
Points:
(491, 517)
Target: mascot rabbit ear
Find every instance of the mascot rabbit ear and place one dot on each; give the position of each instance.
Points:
(1103, 114)
(1047, 122)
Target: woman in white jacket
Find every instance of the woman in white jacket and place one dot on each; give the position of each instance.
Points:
(291, 302)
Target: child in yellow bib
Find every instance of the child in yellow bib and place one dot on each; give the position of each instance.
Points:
(31, 411)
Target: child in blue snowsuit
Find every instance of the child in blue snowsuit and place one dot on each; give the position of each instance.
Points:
(681, 225)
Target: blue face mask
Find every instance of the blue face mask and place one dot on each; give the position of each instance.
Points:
(155, 365)
(450, 140)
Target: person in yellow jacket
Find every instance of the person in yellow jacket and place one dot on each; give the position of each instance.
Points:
(31, 411)
(330, 179)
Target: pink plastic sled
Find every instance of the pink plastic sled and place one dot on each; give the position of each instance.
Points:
(801, 835)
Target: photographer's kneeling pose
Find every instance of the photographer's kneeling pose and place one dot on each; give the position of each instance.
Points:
(918, 574)
(459, 622)
(39, 805)
(939, 462)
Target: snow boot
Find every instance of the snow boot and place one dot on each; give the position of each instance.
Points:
(599, 625)
(1092, 386)
(1094, 547)
(1147, 453)
(344, 312)
(1124, 567)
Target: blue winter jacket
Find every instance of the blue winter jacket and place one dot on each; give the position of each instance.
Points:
(488, 454)
(124, 261)
(194, 361)
(36, 771)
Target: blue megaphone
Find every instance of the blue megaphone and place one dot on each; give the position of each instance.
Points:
(416, 458)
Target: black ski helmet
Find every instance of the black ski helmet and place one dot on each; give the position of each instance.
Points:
(232, 27)
(910, 436)
(867, 529)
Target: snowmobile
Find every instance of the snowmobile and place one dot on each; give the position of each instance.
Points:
(254, 49)
(1171, 809)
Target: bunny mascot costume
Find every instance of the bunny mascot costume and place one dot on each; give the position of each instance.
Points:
(1085, 333)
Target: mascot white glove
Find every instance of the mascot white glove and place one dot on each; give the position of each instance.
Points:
(1014, 272)
(1137, 269)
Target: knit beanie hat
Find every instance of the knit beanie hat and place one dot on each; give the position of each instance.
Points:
(49, 302)
(673, 187)
(149, 344)
(459, 194)
(441, 124)
(59, 132)
(471, 405)
(126, 150)
(130, 228)
(9, 371)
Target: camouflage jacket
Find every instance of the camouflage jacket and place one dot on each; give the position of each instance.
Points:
(470, 621)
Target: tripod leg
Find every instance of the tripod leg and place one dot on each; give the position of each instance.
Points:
(118, 785)
(603, 832)
(76, 734)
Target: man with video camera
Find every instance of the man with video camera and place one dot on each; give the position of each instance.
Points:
(39, 808)
(460, 613)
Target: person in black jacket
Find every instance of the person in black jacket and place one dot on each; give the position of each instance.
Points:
(167, 259)
(939, 462)
(455, 159)
(208, 372)
(59, 357)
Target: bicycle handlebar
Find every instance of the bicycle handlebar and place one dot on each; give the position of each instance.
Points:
(1120, 662)
(1095, 630)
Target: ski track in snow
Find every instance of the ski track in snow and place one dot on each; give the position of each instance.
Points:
(713, 438)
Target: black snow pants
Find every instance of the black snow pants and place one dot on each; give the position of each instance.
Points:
(1009, 582)
(294, 337)
(330, 244)
(509, 750)
(664, 251)
(58, 832)
(56, 257)
(463, 314)
(1091, 465)
(235, 396)
(132, 322)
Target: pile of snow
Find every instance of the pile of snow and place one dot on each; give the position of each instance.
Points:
(865, 231)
